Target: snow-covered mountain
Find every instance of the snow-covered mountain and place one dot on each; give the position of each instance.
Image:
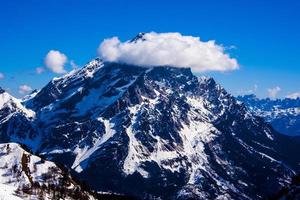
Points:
(160, 130)
(12, 105)
(17, 122)
(283, 114)
(25, 176)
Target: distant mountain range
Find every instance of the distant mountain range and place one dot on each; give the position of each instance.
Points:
(282, 114)
(150, 132)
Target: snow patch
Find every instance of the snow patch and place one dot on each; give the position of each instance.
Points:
(83, 154)
(7, 192)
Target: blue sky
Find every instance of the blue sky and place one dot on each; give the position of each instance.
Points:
(266, 35)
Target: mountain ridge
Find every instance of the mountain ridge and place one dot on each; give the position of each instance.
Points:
(283, 114)
(161, 130)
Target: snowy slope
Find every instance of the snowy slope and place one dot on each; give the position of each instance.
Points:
(8, 192)
(25, 176)
(9, 102)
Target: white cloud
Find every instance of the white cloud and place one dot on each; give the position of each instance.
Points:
(39, 70)
(2, 76)
(24, 89)
(294, 95)
(55, 61)
(272, 92)
(172, 49)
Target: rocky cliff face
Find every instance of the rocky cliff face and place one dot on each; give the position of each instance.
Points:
(162, 131)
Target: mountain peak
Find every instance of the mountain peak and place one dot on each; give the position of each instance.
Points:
(94, 62)
(138, 37)
(13, 104)
(86, 71)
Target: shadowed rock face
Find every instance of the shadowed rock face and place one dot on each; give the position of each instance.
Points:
(158, 132)
(291, 191)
